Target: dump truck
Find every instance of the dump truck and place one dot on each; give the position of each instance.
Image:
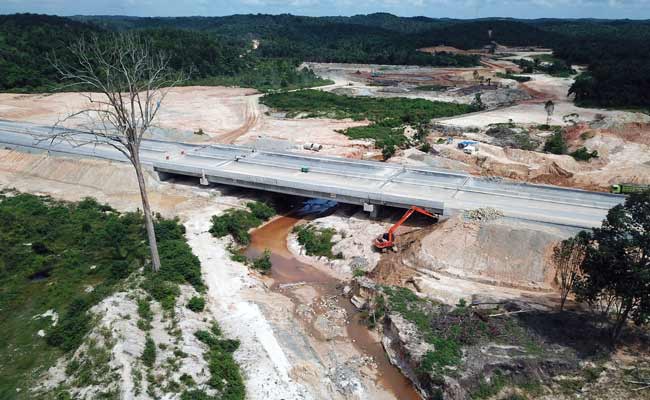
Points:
(627, 188)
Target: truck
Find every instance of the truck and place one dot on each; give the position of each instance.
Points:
(627, 188)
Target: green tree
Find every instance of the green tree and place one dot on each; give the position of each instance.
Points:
(616, 266)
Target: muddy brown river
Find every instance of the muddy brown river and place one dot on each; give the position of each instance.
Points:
(287, 270)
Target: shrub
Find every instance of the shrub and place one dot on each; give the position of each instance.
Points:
(556, 143)
(582, 154)
(149, 352)
(317, 242)
(261, 210)
(161, 290)
(225, 375)
(145, 313)
(196, 304)
(238, 222)
(263, 263)
(178, 264)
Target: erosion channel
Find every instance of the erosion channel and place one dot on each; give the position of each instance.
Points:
(289, 274)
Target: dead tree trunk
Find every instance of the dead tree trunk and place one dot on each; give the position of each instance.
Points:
(148, 218)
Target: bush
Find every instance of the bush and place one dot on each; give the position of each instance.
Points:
(149, 352)
(261, 210)
(388, 115)
(317, 242)
(161, 290)
(225, 375)
(263, 263)
(196, 304)
(145, 314)
(178, 264)
(556, 143)
(236, 223)
(582, 154)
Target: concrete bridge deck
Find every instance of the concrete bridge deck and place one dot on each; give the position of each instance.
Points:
(340, 179)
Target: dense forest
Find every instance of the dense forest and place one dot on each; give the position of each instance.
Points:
(219, 50)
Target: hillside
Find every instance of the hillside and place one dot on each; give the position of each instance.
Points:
(219, 50)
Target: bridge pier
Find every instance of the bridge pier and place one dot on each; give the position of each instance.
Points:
(373, 209)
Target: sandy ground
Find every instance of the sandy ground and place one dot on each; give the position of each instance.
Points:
(265, 363)
(226, 115)
(533, 112)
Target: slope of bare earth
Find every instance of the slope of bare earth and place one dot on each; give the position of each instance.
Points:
(279, 357)
(225, 115)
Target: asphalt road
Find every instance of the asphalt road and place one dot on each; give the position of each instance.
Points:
(341, 179)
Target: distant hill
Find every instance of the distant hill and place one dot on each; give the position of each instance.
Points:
(218, 46)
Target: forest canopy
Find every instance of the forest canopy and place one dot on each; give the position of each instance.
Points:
(265, 51)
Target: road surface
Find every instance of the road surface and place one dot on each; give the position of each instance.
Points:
(344, 180)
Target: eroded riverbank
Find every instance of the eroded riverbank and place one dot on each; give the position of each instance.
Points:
(323, 310)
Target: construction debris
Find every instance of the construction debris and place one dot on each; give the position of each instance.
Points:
(483, 214)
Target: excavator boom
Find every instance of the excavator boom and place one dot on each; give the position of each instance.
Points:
(387, 240)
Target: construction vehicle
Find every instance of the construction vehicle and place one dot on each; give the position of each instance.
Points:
(387, 240)
(627, 188)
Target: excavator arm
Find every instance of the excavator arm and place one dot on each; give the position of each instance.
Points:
(387, 240)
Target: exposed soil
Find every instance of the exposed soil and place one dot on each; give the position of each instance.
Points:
(289, 275)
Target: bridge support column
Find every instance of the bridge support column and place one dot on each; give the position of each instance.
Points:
(373, 209)
(203, 181)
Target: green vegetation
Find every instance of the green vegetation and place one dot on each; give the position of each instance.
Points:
(317, 242)
(558, 68)
(582, 154)
(389, 116)
(518, 78)
(358, 273)
(225, 375)
(219, 50)
(615, 273)
(50, 253)
(238, 222)
(268, 76)
(431, 88)
(145, 314)
(149, 352)
(449, 331)
(263, 263)
(509, 136)
(196, 304)
(556, 144)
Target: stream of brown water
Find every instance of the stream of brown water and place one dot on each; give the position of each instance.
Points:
(287, 270)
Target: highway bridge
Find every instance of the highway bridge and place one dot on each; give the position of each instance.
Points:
(367, 183)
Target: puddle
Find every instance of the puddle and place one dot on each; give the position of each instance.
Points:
(287, 270)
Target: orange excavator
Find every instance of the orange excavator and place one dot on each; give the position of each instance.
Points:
(387, 240)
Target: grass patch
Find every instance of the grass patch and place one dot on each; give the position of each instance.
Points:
(149, 353)
(225, 375)
(556, 144)
(263, 263)
(50, 253)
(518, 78)
(582, 154)
(196, 304)
(431, 88)
(317, 242)
(237, 223)
(389, 116)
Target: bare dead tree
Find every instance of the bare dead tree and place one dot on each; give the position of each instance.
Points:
(549, 107)
(567, 256)
(125, 82)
